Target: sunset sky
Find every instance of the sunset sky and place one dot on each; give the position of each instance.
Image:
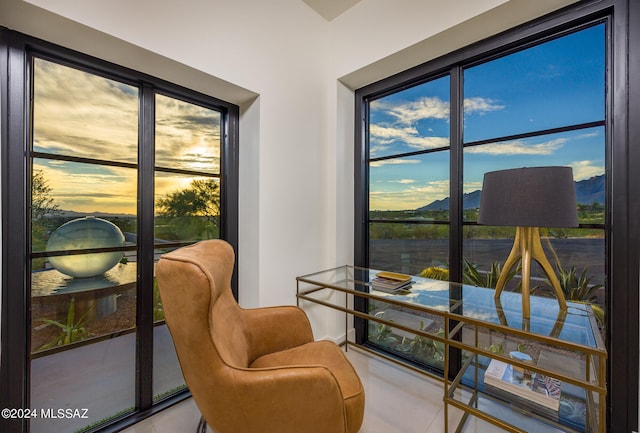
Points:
(85, 115)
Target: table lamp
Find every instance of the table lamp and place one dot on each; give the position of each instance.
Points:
(529, 198)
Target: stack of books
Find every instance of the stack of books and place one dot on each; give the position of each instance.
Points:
(391, 282)
(533, 389)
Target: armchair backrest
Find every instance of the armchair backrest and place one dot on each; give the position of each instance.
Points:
(203, 316)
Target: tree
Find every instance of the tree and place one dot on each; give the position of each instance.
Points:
(43, 207)
(42, 203)
(194, 208)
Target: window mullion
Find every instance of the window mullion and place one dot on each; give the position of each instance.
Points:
(456, 181)
(144, 296)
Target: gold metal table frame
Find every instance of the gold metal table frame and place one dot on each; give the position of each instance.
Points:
(466, 315)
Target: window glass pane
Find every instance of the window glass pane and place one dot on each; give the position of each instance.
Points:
(411, 120)
(167, 375)
(187, 208)
(583, 150)
(187, 136)
(577, 256)
(67, 309)
(410, 187)
(63, 191)
(418, 349)
(99, 377)
(408, 248)
(83, 305)
(554, 84)
(83, 115)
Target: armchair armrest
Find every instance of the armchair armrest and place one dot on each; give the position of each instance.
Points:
(273, 329)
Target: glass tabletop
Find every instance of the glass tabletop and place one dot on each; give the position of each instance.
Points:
(575, 325)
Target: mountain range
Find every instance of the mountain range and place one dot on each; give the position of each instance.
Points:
(587, 191)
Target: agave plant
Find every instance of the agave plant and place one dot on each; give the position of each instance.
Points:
(435, 273)
(574, 287)
(380, 332)
(70, 330)
(471, 275)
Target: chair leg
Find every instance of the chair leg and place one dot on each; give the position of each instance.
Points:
(202, 425)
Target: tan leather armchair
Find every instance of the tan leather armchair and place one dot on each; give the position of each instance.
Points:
(252, 370)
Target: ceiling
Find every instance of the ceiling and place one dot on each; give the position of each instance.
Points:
(329, 9)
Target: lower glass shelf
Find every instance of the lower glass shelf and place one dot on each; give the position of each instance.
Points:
(515, 411)
(506, 413)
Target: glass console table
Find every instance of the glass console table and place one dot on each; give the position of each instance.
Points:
(468, 326)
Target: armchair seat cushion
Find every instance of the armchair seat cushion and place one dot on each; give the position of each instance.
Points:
(329, 355)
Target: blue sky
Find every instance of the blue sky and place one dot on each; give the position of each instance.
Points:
(551, 85)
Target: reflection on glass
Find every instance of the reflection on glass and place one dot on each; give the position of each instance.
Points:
(416, 348)
(582, 150)
(187, 136)
(167, 375)
(577, 256)
(408, 248)
(414, 187)
(187, 208)
(412, 120)
(554, 84)
(83, 115)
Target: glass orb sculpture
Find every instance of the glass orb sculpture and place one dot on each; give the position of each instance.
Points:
(82, 233)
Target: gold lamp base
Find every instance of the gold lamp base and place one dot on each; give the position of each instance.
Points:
(527, 246)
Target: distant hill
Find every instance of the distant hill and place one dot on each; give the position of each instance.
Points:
(587, 191)
(469, 201)
(74, 214)
(591, 190)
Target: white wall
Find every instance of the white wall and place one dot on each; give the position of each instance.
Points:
(293, 74)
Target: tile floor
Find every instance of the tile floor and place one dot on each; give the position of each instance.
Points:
(397, 401)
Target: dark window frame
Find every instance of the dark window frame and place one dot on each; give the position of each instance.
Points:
(16, 51)
(622, 249)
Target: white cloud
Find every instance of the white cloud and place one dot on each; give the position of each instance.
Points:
(518, 147)
(405, 116)
(403, 181)
(381, 136)
(423, 108)
(480, 105)
(589, 135)
(472, 186)
(394, 162)
(413, 197)
(586, 169)
(389, 134)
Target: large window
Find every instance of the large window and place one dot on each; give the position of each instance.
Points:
(117, 169)
(528, 98)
